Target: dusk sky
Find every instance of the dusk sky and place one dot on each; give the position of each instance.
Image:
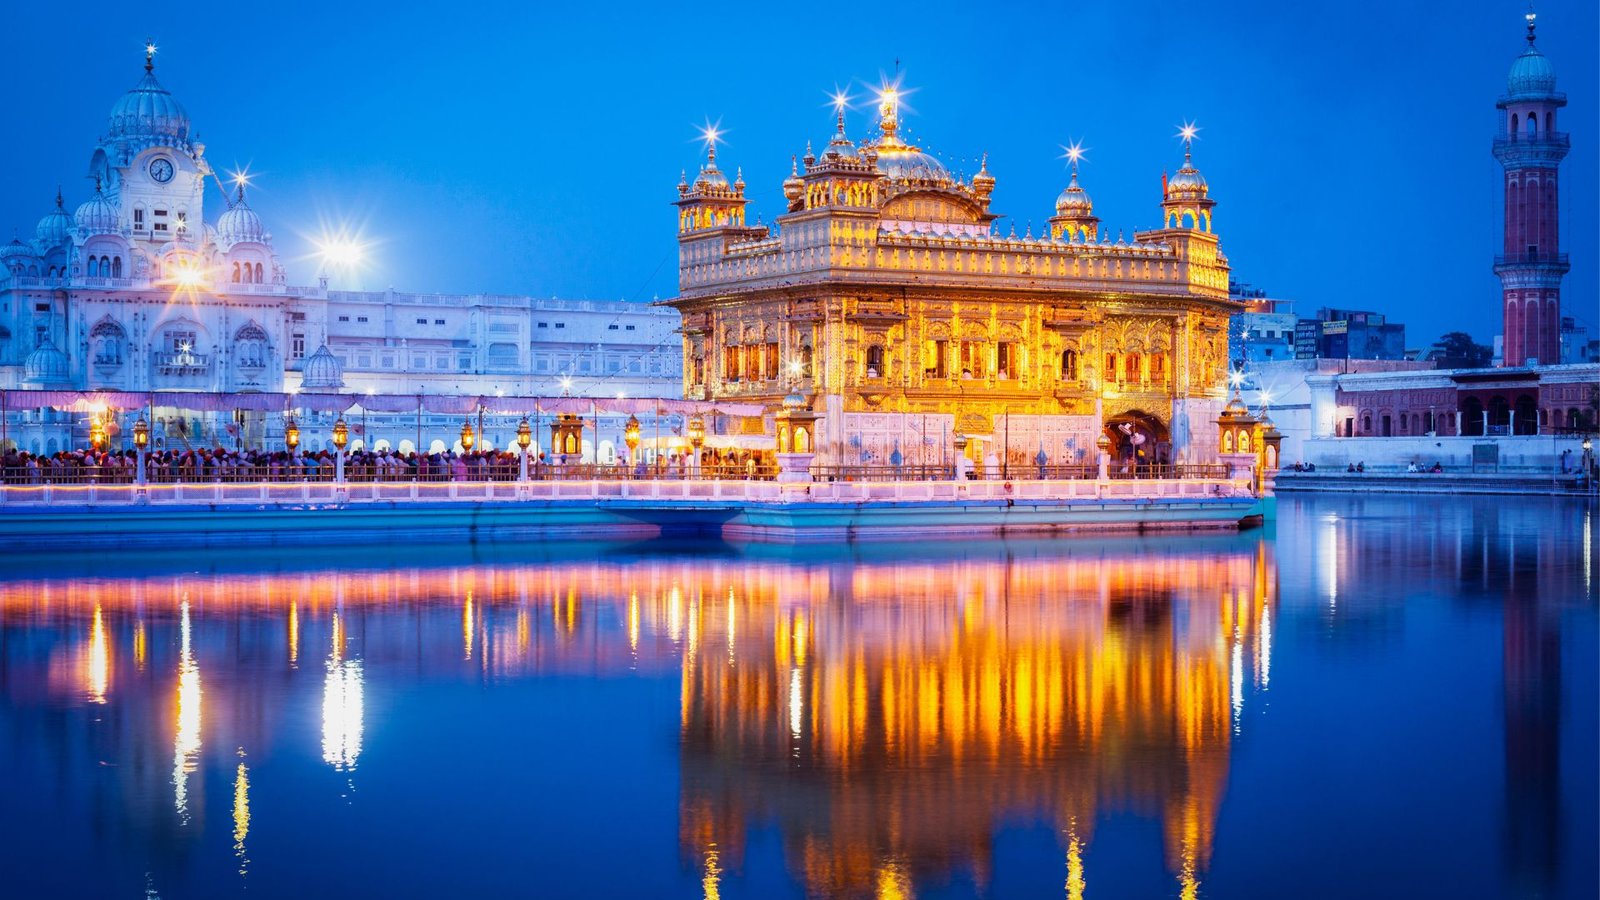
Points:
(517, 148)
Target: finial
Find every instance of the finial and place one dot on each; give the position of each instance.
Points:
(1531, 17)
(97, 184)
(58, 198)
(149, 55)
(1029, 235)
(794, 167)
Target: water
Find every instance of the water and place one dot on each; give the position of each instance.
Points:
(1376, 697)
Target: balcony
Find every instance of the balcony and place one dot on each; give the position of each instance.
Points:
(1542, 260)
(182, 364)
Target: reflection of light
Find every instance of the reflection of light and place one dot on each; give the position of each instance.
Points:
(186, 746)
(711, 881)
(675, 615)
(893, 882)
(294, 634)
(141, 645)
(1264, 640)
(796, 704)
(99, 658)
(1236, 671)
(241, 814)
(466, 627)
(1588, 550)
(1075, 883)
(633, 621)
(1328, 553)
(342, 702)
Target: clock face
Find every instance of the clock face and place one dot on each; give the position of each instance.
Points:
(161, 170)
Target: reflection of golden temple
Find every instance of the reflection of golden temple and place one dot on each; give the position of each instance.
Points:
(900, 715)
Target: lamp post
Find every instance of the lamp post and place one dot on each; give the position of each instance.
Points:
(341, 437)
(697, 437)
(524, 440)
(97, 432)
(467, 437)
(630, 436)
(141, 442)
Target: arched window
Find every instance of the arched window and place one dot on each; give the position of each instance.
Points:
(1131, 368)
(1069, 365)
(259, 278)
(1111, 367)
(875, 361)
(1516, 126)
(116, 267)
(94, 267)
(1549, 122)
(1366, 423)
(1533, 124)
(236, 273)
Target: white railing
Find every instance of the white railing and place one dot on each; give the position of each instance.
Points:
(672, 493)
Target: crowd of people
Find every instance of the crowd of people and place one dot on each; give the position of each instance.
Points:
(218, 465)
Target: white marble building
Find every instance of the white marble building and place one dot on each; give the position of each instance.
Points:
(165, 279)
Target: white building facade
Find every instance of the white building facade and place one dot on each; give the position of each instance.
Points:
(166, 280)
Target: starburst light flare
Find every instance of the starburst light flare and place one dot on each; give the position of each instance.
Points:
(1074, 153)
(1187, 132)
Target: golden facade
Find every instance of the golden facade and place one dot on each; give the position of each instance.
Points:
(884, 288)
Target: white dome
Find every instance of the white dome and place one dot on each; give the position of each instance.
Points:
(54, 228)
(16, 250)
(46, 365)
(149, 110)
(912, 166)
(240, 224)
(321, 371)
(1531, 75)
(1187, 183)
(1074, 201)
(97, 215)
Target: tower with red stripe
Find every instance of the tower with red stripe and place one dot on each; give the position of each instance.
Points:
(1530, 147)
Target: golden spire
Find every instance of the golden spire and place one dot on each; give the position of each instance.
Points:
(149, 55)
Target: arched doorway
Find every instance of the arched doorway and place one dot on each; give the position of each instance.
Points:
(1526, 420)
(1472, 416)
(1138, 439)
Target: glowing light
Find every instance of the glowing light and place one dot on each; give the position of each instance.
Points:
(466, 627)
(1266, 396)
(1265, 643)
(343, 702)
(796, 704)
(711, 881)
(99, 658)
(894, 883)
(241, 814)
(1187, 132)
(1075, 881)
(711, 135)
(342, 250)
(840, 100)
(240, 178)
(1074, 153)
(186, 274)
(186, 744)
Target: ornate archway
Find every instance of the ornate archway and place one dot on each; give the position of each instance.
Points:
(1138, 438)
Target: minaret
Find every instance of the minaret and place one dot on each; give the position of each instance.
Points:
(1531, 265)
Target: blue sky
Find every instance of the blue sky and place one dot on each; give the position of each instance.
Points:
(510, 148)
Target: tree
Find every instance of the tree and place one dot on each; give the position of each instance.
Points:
(1457, 350)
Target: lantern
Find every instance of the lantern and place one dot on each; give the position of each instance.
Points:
(630, 434)
(97, 432)
(467, 437)
(291, 434)
(524, 435)
(697, 431)
(341, 434)
(141, 434)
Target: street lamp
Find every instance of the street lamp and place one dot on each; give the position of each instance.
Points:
(341, 437)
(141, 442)
(467, 437)
(524, 440)
(630, 436)
(291, 434)
(697, 437)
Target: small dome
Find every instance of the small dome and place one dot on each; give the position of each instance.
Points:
(46, 365)
(907, 164)
(149, 110)
(1074, 201)
(794, 185)
(711, 177)
(240, 224)
(1236, 408)
(794, 400)
(321, 371)
(16, 250)
(1531, 75)
(54, 228)
(1188, 183)
(97, 215)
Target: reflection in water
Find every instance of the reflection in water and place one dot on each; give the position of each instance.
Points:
(887, 716)
(342, 704)
(186, 746)
(99, 658)
(921, 705)
(241, 814)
